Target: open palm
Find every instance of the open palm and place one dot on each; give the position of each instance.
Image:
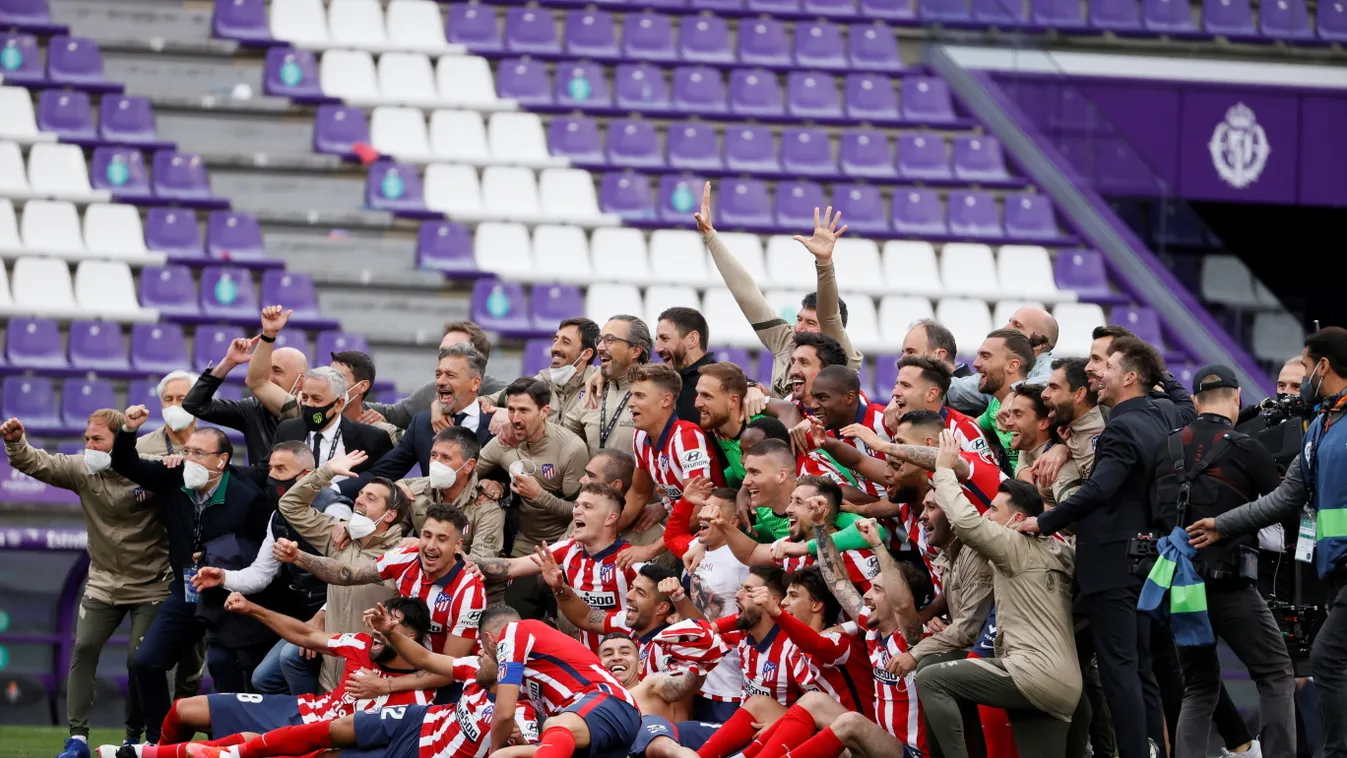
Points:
(825, 235)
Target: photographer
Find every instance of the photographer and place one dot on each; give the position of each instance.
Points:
(1314, 479)
(1278, 422)
(1202, 471)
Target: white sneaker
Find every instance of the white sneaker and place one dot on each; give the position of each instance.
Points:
(1254, 751)
(1155, 751)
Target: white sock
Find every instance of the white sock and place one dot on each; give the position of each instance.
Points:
(80, 737)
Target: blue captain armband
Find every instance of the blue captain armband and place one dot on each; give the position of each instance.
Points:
(511, 673)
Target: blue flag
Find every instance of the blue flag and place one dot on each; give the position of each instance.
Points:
(1174, 575)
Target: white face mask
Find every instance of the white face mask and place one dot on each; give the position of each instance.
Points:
(352, 394)
(194, 475)
(563, 374)
(360, 526)
(176, 418)
(442, 477)
(96, 460)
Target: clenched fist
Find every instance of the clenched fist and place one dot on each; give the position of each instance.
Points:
(12, 430)
(136, 416)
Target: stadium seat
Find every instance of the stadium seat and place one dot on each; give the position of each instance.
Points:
(1143, 321)
(98, 346)
(554, 303)
(474, 26)
(445, 246)
(699, 90)
(395, 187)
(114, 231)
(978, 158)
(234, 235)
(416, 25)
(1077, 322)
(795, 203)
(20, 123)
(518, 138)
(1167, 16)
(531, 31)
(13, 177)
(350, 75)
(1229, 18)
(818, 45)
(763, 42)
(918, 213)
(210, 342)
(641, 87)
(926, 99)
(227, 292)
(678, 257)
(400, 132)
(1285, 20)
(59, 171)
(747, 249)
(42, 286)
(407, 79)
(1030, 217)
(299, 22)
(500, 306)
(575, 139)
(1227, 281)
(567, 194)
(633, 143)
(459, 136)
(789, 265)
(76, 62)
(627, 195)
(1004, 13)
(867, 154)
(808, 152)
(358, 24)
(813, 95)
(292, 290)
(923, 156)
(69, 114)
(897, 314)
(180, 177)
(338, 129)
(620, 254)
(591, 34)
(582, 85)
(862, 323)
(969, 321)
(11, 245)
(121, 172)
(1004, 309)
(1115, 15)
(22, 64)
(173, 231)
(870, 97)
(603, 300)
(107, 289)
(659, 297)
(731, 327)
(973, 213)
(1331, 22)
(34, 343)
(705, 39)
(1082, 272)
(128, 120)
(329, 342)
(291, 73)
(169, 290)
(524, 80)
(158, 348)
(649, 36)
(454, 189)
(745, 202)
(511, 192)
(678, 197)
(561, 254)
(857, 266)
(873, 47)
(751, 149)
(466, 81)
(968, 269)
(31, 399)
(862, 208)
(1276, 335)
(911, 267)
(503, 249)
(1025, 271)
(52, 228)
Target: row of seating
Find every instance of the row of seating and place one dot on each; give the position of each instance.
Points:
(503, 193)
(59, 171)
(34, 399)
(44, 287)
(69, 114)
(359, 24)
(72, 62)
(35, 344)
(227, 294)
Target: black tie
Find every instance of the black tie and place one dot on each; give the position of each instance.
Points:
(317, 446)
(458, 418)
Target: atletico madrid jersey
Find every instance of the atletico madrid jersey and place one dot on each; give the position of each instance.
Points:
(552, 670)
(774, 666)
(456, 600)
(861, 565)
(596, 578)
(897, 708)
(872, 417)
(839, 661)
(355, 648)
(680, 453)
(461, 730)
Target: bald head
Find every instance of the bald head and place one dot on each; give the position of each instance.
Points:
(287, 366)
(1036, 324)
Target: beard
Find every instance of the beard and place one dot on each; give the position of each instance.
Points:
(1062, 415)
(386, 653)
(902, 494)
(990, 384)
(748, 618)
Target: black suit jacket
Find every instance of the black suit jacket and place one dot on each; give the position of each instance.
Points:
(354, 436)
(412, 449)
(246, 415)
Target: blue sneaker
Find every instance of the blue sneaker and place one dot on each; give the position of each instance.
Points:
(74, 748)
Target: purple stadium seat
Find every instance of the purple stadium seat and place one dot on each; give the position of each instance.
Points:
(29, 16)
(889, 10)
(704, 39)
(576, 138)
(755, 92)
(973, 213)
(169, 289)
(67, 114)
(795, 203)
(693, 145)
(633, 143)
(1081, 271)
(292, 290)
(292, 337)
(1332, 21)
(97, 346)
(829, 8)
(873, 47)
(232, 235)
(127, 119)
(1230, 18)
(761, 369)
(763, 42)
(923, 156)
(926, 99)
(76, 61)
(918, 212)
(500, 306)
(649, 37)
(553, 303)
(159, 348)
(330, 342)
(525, 80)
(531, 31)
(34, 343)
(338, 128)
(870, 97)
(1143, 321)
(719, 6)
(121, 171)
(537, 356)
(1115, 15)
(886, 375)
(474, 26)
(32, 400)
(736, 355)
(590, 34)
(698, 89)
(227, 291)
(1285, 19)
(867, 153)
(242, 20)
(180, 176)
(1058, 14)
(751, 148)
(174, 232)
(810, 94)
(394, 187)
(210, 343)
(81, 397)
(1010, 13)
(745, 202)
(978, 158)
(772, 7)
(292, 73)
(626, 194)
(807, 151)
(1030, 217)
(445, 246)
(1168, 16)
(944, 11)
(862, 208)
(640, 86)
(145, 392)
(818, 44)
(678, 196)
(21, 59)
(583, 85)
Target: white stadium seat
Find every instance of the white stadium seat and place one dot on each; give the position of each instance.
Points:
(662, 296)
(20, 122)
(357, 24)
(42, 287)
(302, 23)
(459, 137)
(862, 323)
(856, 265)
(349, 75)
(747, 249)
(52, 228)
(503, 248)
(401, 133)
(786, 303)
(561, 254)
(620, 254)
(13, 175)
(1026, 271)
(727, 321)
(519, 138)
(969, 320)
(11, 245)
(677, 256)
(511, 192)
(107, 289)
(568, 195)
(417, 25)
(59, 171)
(467, 81)
(789, 264)
(968, 268)
(911, 267)
(113, 230)
(6, 300)
(407, 79)
(1076, 323)
(1226, 280)
(604, 300)
(897, 314)
(453, 189)
(1276, 334)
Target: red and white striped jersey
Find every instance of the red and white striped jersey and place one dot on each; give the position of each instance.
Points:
(861, 565)
(839, 661)
(595, 578)
(648, 651)
(551, 669)
(355, 648)
(871, 416)
(897, 708)
(980, 487)
(461, 730)
(693, 645)
(966, 430)
(681, 453)
(456, 600)
(774, 666)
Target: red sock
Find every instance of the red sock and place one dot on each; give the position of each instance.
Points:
(789, 731)
(288, 740)
(179, 750)
(996, 732)
(822, 745)
(732, 736)
(556, 742)
(761, 740)
(173, 730)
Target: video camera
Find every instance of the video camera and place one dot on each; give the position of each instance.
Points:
(1279, 408)
(1298, 624)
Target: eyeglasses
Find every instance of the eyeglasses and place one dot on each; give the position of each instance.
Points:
(609, 339)
(190, 452)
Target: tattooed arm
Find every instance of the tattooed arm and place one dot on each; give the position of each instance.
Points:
(504, 569)
(920, 455)
(580, 613)
(835, 573)
(676, 688)
(335, 572)
(900, 597)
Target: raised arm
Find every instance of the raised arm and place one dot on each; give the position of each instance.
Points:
(329, 570)
(273, 398)
(502, 569)
(738, 279)
(895, 584)
(64, 471)
(821, 247)
(570, 604)
(290, 629)
(410, 650)
(835, 572)
(152, 475)
(997, 543)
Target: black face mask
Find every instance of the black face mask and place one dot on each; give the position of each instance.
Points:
(280, 486)
(315, 416)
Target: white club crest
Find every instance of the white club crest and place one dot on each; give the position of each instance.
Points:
(1239, 147)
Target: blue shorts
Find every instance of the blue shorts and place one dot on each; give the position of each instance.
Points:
(245, 712)
(716, 711)
(693, 734)
(392, 732)
(651, 727)
(613, 724)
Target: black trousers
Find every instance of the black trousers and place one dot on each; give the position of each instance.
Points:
(1122, 648)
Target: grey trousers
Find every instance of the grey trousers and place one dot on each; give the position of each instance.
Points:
(944, 687)
(1328, 662)
(1239, 617)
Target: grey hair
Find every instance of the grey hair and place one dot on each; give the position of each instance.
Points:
(465, 350)
(174, 376)
(638, 334)
(335, 381)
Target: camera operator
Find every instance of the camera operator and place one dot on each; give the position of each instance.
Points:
(1316, 478)
(1279, 421)
(1202, 471)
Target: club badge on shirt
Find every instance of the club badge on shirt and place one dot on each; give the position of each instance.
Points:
(549, 471)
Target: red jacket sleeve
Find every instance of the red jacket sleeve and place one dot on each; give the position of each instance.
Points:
(811, 642)
(726, 624)
(678, 534)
